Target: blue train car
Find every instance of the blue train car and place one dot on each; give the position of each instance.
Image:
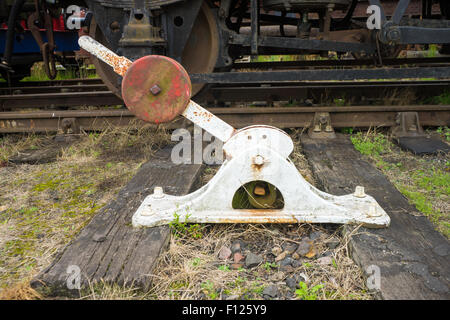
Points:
(19, 45)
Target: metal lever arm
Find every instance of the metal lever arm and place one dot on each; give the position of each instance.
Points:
(194, 112)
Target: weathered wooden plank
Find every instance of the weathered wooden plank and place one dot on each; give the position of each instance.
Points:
(48, 152)
(109, 248)
(422, 145)
(413, 257)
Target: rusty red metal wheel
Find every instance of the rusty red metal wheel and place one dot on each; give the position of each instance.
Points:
(156, 89)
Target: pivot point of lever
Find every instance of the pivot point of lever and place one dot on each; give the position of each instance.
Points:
(156, 103)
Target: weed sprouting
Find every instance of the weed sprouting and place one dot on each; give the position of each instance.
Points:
(370, 144)
(305, 293)
(184, 228)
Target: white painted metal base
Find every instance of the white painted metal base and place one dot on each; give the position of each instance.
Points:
(260, 157)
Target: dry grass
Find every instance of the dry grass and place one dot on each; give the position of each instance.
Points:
(106, 291)
(191, 269)
(42, 207)
(20, 291)
(11, 145)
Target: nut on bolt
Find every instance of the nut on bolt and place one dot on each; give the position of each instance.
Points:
(394, 34)
(258, 160)
(359, 192)
(155, 90)
(158, 193)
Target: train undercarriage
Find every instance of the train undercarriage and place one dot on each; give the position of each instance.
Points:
(210, 36)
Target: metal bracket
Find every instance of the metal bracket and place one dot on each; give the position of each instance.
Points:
(139, 35)
(261, 158)
(70, 124)
(180, 19)
(421, 33)
(408, 125)
(321, 127)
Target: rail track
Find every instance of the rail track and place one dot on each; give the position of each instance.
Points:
(92, 92)
(48, 106)
(12, 97)
(282, 117)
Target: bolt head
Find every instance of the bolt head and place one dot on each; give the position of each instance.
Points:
(158, 192)
(259, 160)
(359, 192)
(394, 35)
(155, 90)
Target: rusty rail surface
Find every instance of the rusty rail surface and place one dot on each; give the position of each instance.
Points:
(282, 117)
(92, 93)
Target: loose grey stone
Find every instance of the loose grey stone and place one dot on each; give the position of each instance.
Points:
(315, 235)
(290, 248)
(304, 247)
(291, 283)
(224, 253)
(324, 261)
(296, 263)
(276, 251)
(236, 247)
(281, 256)
(252, 260)
(286, 262)
(326, 254)
(270, 291)
(333, 243)
(300, 277)
(232, 297)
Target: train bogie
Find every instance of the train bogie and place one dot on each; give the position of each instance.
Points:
(210, 35)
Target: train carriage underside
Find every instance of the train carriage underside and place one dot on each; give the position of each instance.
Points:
(209, 36)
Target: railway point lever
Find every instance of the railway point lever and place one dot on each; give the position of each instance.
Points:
(256, 159)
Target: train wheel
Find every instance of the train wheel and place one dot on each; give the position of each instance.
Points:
(202, 48)
(199, 56)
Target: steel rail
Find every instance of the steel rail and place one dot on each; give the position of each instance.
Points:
(282, 117)
(98, 95)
